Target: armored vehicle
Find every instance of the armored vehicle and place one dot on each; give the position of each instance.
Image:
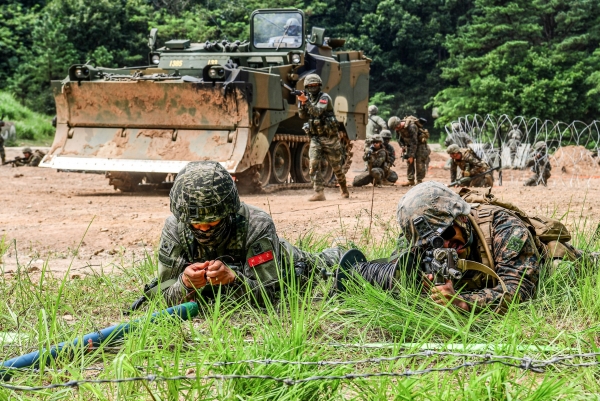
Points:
(231, 102)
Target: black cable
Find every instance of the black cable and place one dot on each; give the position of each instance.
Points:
(377, 274)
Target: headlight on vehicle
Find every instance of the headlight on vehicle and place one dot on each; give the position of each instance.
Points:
(82, 73)
(155, 59)
(296, 59)
(216, 72)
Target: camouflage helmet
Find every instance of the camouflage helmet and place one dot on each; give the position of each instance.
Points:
(376, 138)
(292, 27)
(393, 122)
(312, 79)
(454, 148)
(203, 192)
(436, 203)
(373, 110)
(515, 126)
(386, 134)
(27, 150)
(539, 145)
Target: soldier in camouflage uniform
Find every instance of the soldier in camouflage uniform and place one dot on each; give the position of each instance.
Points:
(324, 136)
(213, 240)
(515, 259)
(392, 177)
(414, 143)
(514, 141)
(470, 165)
(375, 126)
(30, 158)
(539, 161)
(379, 169)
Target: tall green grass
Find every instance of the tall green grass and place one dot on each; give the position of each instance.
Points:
(32, 128)
(305, 325)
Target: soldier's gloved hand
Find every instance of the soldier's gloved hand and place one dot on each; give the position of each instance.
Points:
(218, 273)
(410, 160)
(445, 293)
(302, 98)
(194, 276)
(466, 174)
(464, 181)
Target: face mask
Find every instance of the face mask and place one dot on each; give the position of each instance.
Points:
(214, 235)
(314, 90)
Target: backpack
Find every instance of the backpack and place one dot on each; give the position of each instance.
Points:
(550, 235)
(423, 132)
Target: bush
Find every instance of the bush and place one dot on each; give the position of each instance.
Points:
(30, 125)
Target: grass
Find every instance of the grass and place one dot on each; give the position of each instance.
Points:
(32, 128)
(305, 326)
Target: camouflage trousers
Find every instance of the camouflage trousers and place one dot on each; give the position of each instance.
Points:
(537, 179)
(329, 149)
(2, 154)
(376, 177)
(420, 164)
(328, 257)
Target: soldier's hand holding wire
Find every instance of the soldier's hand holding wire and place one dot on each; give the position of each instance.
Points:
(218, 273)
(194, 276)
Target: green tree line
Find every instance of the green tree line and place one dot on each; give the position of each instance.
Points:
(538, 58)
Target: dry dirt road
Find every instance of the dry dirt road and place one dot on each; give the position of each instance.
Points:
(45, 214)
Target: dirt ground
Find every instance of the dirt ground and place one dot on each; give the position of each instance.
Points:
(45, 214)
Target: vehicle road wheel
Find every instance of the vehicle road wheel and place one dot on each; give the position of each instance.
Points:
(281, 159)
(265, 170)
(302, 163)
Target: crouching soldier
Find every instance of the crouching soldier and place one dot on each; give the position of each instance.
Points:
(472, 167)
(376, 158)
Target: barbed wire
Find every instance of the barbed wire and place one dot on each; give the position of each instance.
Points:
(523, 363)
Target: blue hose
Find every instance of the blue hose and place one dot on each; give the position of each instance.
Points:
(90, 341)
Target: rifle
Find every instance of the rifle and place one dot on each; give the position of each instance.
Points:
(293, 91)
(16, 160)
(457, 182)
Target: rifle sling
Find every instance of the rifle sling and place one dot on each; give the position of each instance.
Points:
(464, 265)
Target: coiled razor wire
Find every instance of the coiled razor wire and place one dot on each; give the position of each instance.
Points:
(377, 274)
(490, 135)
(523, 363)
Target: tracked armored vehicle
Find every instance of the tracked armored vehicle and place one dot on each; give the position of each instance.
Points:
(222, 101)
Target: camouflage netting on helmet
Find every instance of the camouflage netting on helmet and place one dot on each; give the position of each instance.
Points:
(203, 192)
(386, 134)
(27, 150)
(373, 110)
(435, 202)
(376, 138)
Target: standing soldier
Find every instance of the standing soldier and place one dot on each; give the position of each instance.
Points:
(470, 165)
(2, 154)
(324, 136)
(376, 158)
(514, 141)
(540, 165)
(375, 126)
(413, 139)
(386, 135)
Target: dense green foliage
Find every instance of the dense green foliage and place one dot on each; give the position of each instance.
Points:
(538, 58)
(31, 126)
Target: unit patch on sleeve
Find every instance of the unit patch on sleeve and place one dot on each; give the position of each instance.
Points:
(324, 101)
(260, 259)
(515, 244)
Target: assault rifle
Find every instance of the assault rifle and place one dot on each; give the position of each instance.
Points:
(16, 160)
(293, 91)
(458, 182)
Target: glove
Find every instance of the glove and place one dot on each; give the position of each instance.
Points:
(464, 181)
(302, 98)
(466, 174)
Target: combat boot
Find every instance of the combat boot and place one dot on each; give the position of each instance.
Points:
(344, 190)
(409, 183)
(318, 196)
(386, 183)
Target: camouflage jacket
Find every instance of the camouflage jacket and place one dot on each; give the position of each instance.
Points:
(539, 162)
(376, 158)
(409, 138)
(321, 117)
(459, 138)
(516, 263)
(252, 251)
(391, 153)
(375, 125)
(469, 162)
(34, 160)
